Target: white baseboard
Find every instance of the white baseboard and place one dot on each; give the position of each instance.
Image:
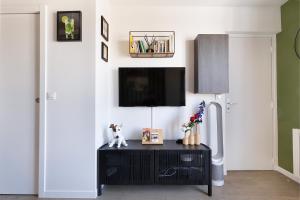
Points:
(296, 152)
(68, 194)
(288, 174)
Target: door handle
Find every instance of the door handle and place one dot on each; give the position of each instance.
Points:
(229, 104)
(37, 100)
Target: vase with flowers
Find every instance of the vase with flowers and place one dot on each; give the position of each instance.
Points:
(197, 118)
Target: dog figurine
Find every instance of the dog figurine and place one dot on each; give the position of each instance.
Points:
(118, 138)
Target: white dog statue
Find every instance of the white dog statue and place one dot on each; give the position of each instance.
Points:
(118, 138)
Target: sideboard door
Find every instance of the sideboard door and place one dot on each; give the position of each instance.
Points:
(125, 167)
(142, 167)
(182, 167)
(113, 168)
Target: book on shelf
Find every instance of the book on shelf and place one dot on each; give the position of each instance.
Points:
(132, 44)
(162, 46)
(138, 47)
(142, 46)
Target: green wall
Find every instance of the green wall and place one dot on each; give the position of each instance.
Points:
(288, 82)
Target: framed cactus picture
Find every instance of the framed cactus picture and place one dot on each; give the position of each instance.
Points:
(69, 26)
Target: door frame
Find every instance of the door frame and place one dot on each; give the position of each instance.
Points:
(273, 51)
(42, 11)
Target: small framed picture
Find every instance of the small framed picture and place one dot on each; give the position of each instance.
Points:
(146, 135)
(104, 52)
(69, 26)
(104, 28)
(152, 136)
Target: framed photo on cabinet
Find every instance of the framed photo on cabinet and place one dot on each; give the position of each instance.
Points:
(152, 136)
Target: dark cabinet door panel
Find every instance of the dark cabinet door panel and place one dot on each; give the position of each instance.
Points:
(181, 167)
(142, 167)
(126, 167)
(113, 167)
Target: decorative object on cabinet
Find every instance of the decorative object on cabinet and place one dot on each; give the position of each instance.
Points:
(185, 140)
(104, 52)
(211, 64)
(104, 28)
(191, 136)
(69, 26)
(151, 44)
(152, 136)
(118, 138)
(167, 164)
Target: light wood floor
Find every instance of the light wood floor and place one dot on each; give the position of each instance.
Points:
(239, 185)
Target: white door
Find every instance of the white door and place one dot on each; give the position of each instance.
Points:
(19, 72)
(249, 134)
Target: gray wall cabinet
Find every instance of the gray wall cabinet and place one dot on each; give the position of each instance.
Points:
(211, 64)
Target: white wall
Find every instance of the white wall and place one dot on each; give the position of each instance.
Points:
(187, 22)
(70, 139)
(102, 78)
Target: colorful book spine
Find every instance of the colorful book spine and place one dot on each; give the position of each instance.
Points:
(131, 42)
(143, 46)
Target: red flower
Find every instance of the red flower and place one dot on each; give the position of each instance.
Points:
(192, 119)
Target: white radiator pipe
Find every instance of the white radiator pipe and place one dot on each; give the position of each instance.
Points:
(296, 152)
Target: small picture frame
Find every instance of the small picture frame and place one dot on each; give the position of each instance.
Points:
(69, 27)
(104, 28)
(152, 136)
(104, 52)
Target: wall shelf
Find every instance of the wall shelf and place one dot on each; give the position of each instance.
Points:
(151, 55)
(162, 44)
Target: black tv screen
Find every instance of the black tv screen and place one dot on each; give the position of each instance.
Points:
(152, 86)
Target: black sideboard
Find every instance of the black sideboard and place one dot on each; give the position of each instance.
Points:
(167, 164)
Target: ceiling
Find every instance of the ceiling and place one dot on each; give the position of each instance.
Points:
(199, 2)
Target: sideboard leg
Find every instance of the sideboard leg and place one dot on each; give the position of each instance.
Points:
(210, 175)
(210, 190)
(100, 190)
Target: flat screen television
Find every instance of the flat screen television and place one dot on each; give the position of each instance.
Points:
(159, 86)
